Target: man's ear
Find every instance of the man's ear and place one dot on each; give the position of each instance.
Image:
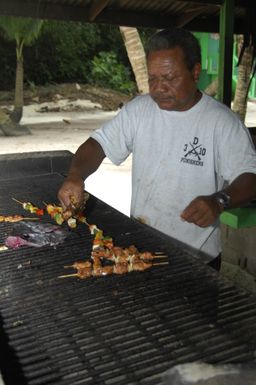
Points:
(196, 72)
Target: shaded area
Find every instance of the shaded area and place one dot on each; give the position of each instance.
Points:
(10, 367)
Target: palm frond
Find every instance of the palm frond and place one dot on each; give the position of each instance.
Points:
(21, 29)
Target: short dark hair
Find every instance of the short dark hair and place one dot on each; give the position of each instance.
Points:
(176, 37)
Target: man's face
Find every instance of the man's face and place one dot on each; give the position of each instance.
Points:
(171, 85)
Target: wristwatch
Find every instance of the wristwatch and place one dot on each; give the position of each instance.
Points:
(223, 199)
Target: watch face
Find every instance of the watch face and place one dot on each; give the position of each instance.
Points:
(223, 199)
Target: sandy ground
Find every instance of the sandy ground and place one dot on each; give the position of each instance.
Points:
(67, 130)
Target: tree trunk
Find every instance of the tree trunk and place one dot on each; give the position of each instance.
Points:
(16, 115)
(10, 124)
(243, 80)
(136, 54)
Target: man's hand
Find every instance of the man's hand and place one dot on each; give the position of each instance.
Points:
(73, 187)
(203, 211)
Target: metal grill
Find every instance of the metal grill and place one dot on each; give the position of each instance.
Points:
(123, 330)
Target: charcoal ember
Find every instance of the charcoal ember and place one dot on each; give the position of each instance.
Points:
(40, 234)
(205, 374)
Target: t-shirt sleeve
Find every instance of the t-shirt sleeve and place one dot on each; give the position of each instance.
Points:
(235, 150)
(116, 136)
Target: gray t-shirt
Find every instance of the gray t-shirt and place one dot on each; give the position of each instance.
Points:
(178, 156)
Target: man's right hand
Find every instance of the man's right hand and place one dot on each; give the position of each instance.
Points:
(86, 160)
(73, 186)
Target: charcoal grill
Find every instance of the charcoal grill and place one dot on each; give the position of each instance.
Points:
(115, 330)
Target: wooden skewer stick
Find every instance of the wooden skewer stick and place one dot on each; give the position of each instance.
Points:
(160, 256)
(30, 219)
(160, 263)
(68, 275)
(159, 252)
(16, 200)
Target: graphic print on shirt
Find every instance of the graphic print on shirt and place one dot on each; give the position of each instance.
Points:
(194, 152)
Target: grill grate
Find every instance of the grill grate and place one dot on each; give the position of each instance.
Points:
(123, 330)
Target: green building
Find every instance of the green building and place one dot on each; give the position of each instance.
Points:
(210, 56)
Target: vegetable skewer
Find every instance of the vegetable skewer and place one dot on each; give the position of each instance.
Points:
(28, 206)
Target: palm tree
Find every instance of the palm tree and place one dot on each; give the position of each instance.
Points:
(136, 54)
(24, 32)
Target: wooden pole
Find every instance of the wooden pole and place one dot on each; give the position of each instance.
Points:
(226, 52)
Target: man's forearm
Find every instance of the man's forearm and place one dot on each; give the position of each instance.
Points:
(87, 159)
(242, 190)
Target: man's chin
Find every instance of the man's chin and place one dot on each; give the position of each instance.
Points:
(165, 104)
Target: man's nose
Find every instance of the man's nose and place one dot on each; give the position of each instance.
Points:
(160, 85)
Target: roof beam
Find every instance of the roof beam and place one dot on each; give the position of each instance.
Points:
(39, 9)
(189, 16)
(135, 19)
(50, 11)
(238, 3)
(96, 8)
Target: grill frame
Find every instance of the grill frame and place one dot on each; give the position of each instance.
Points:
(123, 330)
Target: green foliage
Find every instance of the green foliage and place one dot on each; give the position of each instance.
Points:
(108, 72)
(23, 31)
(61, 53)
(66, 52)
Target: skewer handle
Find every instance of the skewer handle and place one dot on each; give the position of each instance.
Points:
(160, 256)
(68, 275)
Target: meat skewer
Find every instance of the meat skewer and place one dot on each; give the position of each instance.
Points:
(79, 265)
(74, 210)
(124, 260)
(120, 255)
(16, 218)
(119, 268)
(147, 256)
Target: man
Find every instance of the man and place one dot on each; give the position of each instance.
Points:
(192, 156)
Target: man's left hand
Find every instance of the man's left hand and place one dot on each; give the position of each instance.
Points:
(203, 211)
